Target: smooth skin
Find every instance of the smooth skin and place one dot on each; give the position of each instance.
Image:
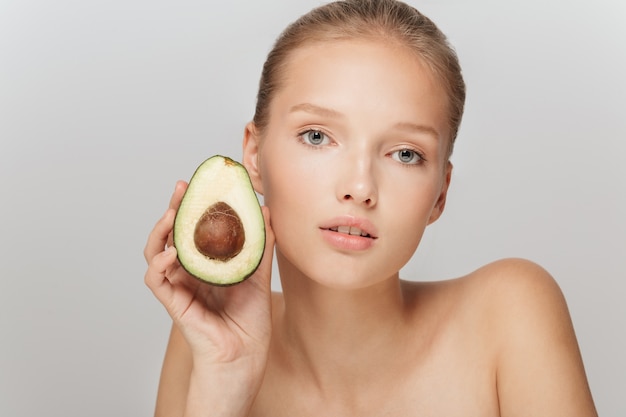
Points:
(358, 138)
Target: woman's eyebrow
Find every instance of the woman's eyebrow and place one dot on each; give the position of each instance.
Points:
(418, 128)
(315, 109)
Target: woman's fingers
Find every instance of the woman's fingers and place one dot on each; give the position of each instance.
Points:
(158, 237)
(170, 284)
(156, 275)
(177, 195)
(161, 235)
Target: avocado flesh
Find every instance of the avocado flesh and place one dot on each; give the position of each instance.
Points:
(220, 185)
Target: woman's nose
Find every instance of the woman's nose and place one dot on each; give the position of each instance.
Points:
(358, 183)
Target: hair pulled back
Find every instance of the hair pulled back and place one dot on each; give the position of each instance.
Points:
(390, 20)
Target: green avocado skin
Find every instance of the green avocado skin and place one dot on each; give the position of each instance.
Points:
(220, 178)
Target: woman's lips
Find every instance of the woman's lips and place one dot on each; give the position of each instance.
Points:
(349, 230)
(349, 233)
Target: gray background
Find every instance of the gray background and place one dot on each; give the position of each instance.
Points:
(104, 104)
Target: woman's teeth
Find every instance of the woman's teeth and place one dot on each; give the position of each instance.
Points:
(355, 231)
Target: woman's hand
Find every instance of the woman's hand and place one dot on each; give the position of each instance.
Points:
(227, 328)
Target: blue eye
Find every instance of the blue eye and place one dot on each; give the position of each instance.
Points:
(314, 137)
(407, 156)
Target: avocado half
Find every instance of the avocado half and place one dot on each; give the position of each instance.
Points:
(219, 231)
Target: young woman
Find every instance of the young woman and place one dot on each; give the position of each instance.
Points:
(358, 109)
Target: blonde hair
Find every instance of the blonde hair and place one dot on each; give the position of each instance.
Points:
(390, 20)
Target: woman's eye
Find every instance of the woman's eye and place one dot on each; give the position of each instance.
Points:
(314, 137)
(407, 156)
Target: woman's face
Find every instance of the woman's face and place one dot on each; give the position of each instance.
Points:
(353, 162)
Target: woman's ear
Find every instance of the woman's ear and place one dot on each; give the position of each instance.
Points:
(441, 200)
(251, 149)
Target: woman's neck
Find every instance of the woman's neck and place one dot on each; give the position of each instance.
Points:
(340, 335)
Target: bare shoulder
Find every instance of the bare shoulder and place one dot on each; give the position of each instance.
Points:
(538, 362)
(493, 292)
(523, 303)
(517, 283)
(502, 339)
(513, 271)
(501, 301)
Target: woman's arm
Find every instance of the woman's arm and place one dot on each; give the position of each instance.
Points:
(175, 374)
(185, 390)
(540, 371)
(219, 342)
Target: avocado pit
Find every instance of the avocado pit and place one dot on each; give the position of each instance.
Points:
(219, 233)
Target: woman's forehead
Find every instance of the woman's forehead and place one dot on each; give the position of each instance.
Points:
(363, 75)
